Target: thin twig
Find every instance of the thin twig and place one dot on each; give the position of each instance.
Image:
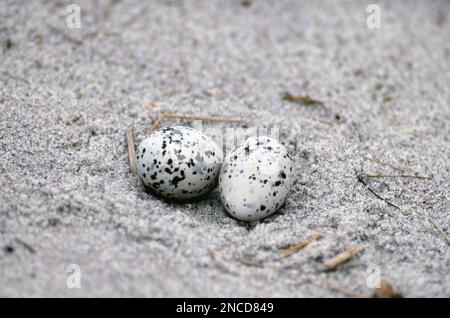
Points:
(304, 99)
(299, 246)
(342, 257)
(181, 116)
(251, 262)
(106, 12)
(155, 124)
(104, 16)
(360, 179)
(136, 16)
(384, 164)
(219, 254)
(65, 35)
(438, 227)
(131, 151)
(245, 261)
(16, 78)
(27, 246)
(317, 120)
(370, 175)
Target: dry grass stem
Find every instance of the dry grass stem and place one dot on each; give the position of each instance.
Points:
(371, 175)
(384, 164)
(26, 245)
(343, 257)
(189, 117)
(131, 151)
(300, 245)
(219, 254)
(16, 78)
(360, 179)
(65, 35)
(136, 16)
(438, 227)
(304, 99)
(251, 262)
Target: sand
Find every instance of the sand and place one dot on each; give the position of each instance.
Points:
(68, 96)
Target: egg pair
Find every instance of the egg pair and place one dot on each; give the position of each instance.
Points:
(182, 163)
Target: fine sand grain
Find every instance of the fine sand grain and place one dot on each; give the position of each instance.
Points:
(347, 100)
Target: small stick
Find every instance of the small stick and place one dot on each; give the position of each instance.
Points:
(65, 35)
(155, 124)
(133, 18)
(182, 116)
(302, 99)
(106, 12)
(251, 262)
(342, 257)
(131, 151)
(360, 179)
(219, 254)
(16, 78)
(299, 246)
(370, 175)
(438, 227)
(384, 164)
(27, 246)
(317, 120)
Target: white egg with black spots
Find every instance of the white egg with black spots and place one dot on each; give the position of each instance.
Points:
(255, 178)
(179, 162)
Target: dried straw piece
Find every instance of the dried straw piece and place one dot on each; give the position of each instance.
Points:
(26, 245)
(65, 35)
(131, 151)
(438, 227)
(370, 175)
(385, 164)
(299, 246)
(251, 262)
(219, 254)
(189, 117)
(136, 16)
(343, 257)
(304, 99)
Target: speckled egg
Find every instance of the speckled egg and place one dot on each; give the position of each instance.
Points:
(179, 162)
(255, 178)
